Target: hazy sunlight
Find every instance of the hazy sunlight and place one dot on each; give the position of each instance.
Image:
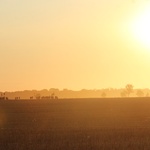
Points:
(141, 26)
(74, 44)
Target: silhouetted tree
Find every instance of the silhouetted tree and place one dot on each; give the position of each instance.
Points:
(17, 98)
(103, 94)
(31, 97)
(140, 93)
(123, 93)
(37, 96)
(129, 89)
(56, 97)
(147, 94)
(52, 95)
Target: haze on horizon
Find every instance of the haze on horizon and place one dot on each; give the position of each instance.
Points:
(74, 44)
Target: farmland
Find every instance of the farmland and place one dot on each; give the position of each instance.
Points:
(75, 124)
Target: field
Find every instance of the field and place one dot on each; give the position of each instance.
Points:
(75, 124)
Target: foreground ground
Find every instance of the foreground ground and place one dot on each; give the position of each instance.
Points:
(79, 124)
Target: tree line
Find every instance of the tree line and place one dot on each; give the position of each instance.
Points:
(53, 93)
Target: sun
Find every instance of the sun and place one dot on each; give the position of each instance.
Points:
(141, 27)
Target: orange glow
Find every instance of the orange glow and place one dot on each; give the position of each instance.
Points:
(141, 26)
(73, 44)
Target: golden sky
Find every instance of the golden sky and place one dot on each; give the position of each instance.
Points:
(74, 44)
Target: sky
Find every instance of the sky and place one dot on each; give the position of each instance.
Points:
(73, 44)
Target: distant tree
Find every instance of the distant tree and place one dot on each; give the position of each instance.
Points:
(140, 93)
(129, 89)
(52, 96)
(56, 97)
(147, 94)
(54, 90)
(123, 93)
(103, 94)
(37, 96)
(2, 96)
(17, 98)
(31, 97)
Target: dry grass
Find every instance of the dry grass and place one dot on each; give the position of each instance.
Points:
(79, 124)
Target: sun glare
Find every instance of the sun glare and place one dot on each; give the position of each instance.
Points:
(141, 27)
